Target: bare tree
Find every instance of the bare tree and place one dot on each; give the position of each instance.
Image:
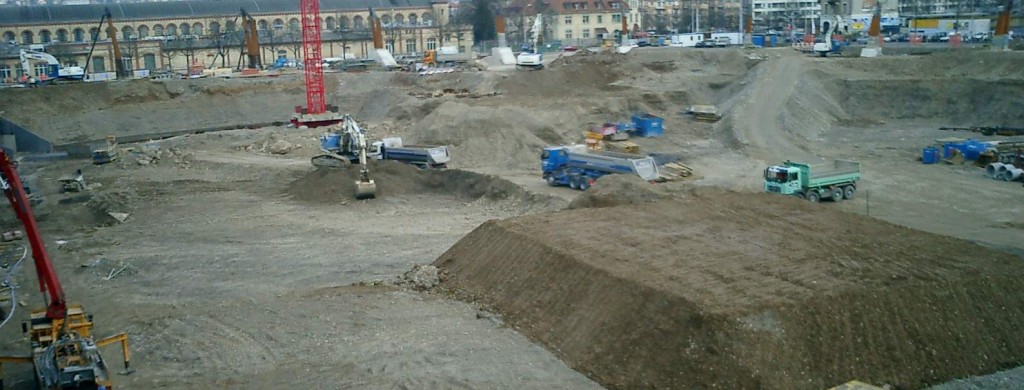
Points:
(167, 53)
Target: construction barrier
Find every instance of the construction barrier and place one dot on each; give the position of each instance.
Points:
(803, 46)
(954, 41)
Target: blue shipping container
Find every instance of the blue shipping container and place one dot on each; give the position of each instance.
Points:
(647, 125)
(930, 155)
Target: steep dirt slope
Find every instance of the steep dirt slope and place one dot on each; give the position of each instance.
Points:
(726, 290)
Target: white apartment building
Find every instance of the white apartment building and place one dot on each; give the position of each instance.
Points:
(786, 13)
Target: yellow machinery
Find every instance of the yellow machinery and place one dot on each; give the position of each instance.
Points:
(430, 59)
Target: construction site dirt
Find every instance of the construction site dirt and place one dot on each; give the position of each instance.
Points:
(240, 265)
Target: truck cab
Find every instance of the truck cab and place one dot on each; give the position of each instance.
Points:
(783, 180)
(553, 158)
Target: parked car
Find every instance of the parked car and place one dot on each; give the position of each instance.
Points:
(570, 48)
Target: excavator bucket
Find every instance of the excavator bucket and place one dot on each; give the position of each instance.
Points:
(366, 189)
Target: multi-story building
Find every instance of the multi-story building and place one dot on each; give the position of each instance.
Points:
(183, 34)
(681, 16)
(584, 21)
(788, 14)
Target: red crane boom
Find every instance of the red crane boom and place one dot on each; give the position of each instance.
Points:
(48, 283)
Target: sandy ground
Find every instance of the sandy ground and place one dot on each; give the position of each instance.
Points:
(235, 283)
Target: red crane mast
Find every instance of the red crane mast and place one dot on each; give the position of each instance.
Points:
(317, 112)
(312, 57)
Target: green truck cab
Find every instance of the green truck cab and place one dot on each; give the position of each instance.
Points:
(836, 180)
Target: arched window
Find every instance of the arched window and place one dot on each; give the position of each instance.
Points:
(410, 45)
(385, 20)
(8, 36)
(158, 30)
(214, 28)
(197, 29)
(331, 25)
(357, 22)
(44, 36)
(431, 43)
(229, 27)
(79, 35)
(149, 61)
(343, 22)
(293, 24)
(399, 19)
(143, 32)
(412, 19)
(62, 35)
(94, 34)
(127, 32)
(261, 25)
(27, 38)
(185, 29)
(278, 24)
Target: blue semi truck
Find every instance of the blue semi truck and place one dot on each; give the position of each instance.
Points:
(578, 168)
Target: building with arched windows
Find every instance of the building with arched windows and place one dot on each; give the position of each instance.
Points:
(180, 34)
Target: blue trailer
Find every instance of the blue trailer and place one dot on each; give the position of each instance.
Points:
(578, 168)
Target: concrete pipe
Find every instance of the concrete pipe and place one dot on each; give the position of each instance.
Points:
(994, 169)
(1013, 174)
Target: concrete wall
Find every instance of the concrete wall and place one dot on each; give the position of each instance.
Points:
(24, 140)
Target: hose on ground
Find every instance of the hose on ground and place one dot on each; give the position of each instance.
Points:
(7, 283)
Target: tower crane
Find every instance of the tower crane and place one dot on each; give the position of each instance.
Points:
(316, 113)
(64, 354)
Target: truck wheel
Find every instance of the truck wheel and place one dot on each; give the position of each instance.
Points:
(800, 194)
(551, 180)
(584, 183)
(574, 182)
(813, 196)
(837, 194)
(849, 191)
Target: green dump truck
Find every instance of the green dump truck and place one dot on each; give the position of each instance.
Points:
(836, 180)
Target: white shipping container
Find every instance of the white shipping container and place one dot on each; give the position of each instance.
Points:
(734, 38)
(686, 40)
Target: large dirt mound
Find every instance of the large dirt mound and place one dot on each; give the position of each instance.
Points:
(729, 290)
(332, 185)
(507, 137)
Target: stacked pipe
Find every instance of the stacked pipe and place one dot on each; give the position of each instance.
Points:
(1006, 172)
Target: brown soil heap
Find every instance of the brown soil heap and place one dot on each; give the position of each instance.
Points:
(728, 290)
